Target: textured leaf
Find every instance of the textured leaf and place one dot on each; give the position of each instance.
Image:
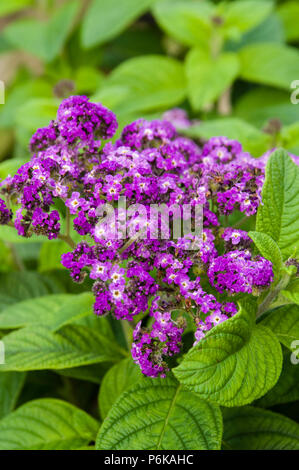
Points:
(159, 414)
(146, 83)
(278, 214)
(107, 18)
(47, 424)
(187, 21)
(253, 140)
(43, 39)
(53, 311)
(37, 348)
(284, 322)
(236, 363)
(208, 78)
(269, 63)
(11, 384)
(118, 379)
(286, 389)
(250, 428)
(268, 249)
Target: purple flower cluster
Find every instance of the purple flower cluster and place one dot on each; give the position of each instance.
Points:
(134, 270)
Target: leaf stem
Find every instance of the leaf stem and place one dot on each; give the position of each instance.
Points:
(264, 306)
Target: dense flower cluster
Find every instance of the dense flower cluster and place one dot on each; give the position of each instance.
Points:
(136, 271)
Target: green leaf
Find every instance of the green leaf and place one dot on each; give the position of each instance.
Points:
(146, 83)
(159, 414)
(236, 363)
(18, 286)
(209, 77)
(284, 322)
(286, 389)
(289, 13)
(277, 216)
(270, 64)
(11, 384)
(50, 255)
(47, 424)
(253, 140)
(185, 20)
(53, 311)
(6, 8)
(118, 379)
(250, 428)
(38, 348)
(43, 38)
(292, 291)
(268, 249)
(241, 16)
(36, 113)
(105, 19)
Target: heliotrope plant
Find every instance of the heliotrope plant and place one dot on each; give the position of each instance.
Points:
(163, 286)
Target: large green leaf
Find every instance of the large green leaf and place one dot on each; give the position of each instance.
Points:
(278, 214)
(268, 249)
(241, 16)
(284, 322)
(209, 77)
(53, 311)
(47, 424)
(236, 363)
(107, 18)
(250, 428)
(11, 384)
(159, 414)
(144, 83)
(43, 38)
(18, 286)
(270, 64)
(37, 348)
(118, 379)
(286, 389)
(186, 20)
(253, 140)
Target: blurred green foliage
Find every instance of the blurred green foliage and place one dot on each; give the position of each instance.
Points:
(230, 63)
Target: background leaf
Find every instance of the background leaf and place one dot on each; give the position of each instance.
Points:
(11, 384)
(284, 322)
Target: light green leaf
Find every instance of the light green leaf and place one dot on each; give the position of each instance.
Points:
(284, 322)
(250, 428)
(118, 379)
(236, 363)
(185, 20)
(43, 38)
(253, 140)
(270, 64)
(105, 19)
(38, 348)
(159, 414)
(286, 389)
(289, 13)
(47, 424)
(50, 255)
(292, 291)
(53, 311)
(11, 384)
(268, 249)
(209, 77)
(147, 83)
(36, 113)
(6, 8)
(241, 16)
(277, 216)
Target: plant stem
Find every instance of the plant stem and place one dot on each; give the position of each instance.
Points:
(67, 239)
(127, 331)
(264, 306)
